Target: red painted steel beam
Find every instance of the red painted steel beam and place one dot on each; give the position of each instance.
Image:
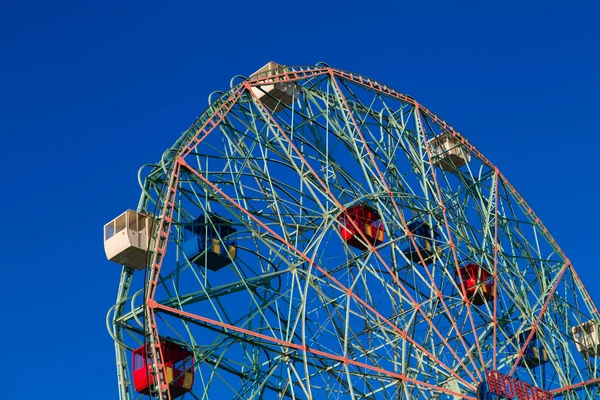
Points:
(302, 347)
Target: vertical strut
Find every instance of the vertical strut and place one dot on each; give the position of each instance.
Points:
(161, 236)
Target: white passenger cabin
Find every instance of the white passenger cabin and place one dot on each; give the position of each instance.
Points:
(276, 96)
(452, 385)
(448, 153)
(587, 338)
(126, 239)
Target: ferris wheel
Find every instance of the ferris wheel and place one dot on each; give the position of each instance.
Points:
(316, 234)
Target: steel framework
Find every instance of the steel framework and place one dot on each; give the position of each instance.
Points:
(299, 313)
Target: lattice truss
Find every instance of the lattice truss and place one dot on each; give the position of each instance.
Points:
(301, 314)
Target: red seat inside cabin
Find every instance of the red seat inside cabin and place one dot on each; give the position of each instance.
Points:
(178, 361)
(366, 222)
(478, 283)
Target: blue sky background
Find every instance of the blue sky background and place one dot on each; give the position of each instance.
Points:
(90, 91)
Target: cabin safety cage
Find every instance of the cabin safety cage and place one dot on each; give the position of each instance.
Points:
(475, 283)
(209, 241)
(587, 338)
(178, 368)
(126, 239)
(361, 227)
(448, 153)
(535, 352)
(318, 234)
(421, 246)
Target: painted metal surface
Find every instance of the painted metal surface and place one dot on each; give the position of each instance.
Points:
(299, 313)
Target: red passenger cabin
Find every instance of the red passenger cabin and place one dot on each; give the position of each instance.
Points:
(366, 221)
(178, 361)
(478, 283)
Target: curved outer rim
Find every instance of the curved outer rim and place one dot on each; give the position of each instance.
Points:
(174, 159)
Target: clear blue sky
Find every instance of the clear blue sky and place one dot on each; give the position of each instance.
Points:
(90, 91)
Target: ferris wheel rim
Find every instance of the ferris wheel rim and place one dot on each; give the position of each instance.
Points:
(174, 159)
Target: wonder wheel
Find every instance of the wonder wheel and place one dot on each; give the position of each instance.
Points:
(316, 234)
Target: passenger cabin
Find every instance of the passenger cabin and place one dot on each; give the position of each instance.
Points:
(587, 338)
(452, 385)
(209, 241)
(367, 223)
(126, 239)
(478, 283)
(179, 368)
(448, 153)
(535, 353)
(424, 242)
(274, 95)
